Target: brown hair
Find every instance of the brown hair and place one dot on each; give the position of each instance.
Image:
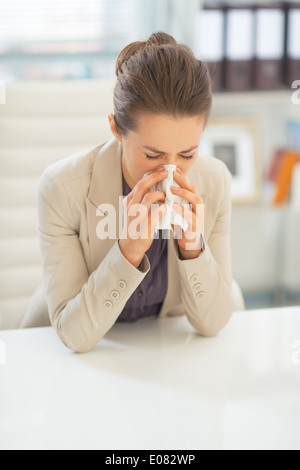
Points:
(159, 76)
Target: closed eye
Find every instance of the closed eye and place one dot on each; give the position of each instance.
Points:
(187, 157)
(153, 158)
(158, 156)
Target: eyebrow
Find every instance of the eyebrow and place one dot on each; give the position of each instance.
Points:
(164, 153)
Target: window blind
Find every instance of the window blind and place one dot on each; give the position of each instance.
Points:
(37, 21)
(62, 39)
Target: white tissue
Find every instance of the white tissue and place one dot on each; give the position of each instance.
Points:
(171, 216)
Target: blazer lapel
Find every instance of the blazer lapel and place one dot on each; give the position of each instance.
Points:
(105, 190)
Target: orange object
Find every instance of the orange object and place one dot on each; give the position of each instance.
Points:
(284, 177)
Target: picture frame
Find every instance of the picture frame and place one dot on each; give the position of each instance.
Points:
(235, 142)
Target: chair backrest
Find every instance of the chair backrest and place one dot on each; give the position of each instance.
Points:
(41, 122)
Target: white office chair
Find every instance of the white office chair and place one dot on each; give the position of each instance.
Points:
(40, 123)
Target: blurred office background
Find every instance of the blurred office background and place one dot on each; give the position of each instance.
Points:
(253, 49)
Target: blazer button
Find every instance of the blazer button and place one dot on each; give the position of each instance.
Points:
(199, 294)
(194, 279)
(108, 305)
(122, 285)
(197, 288)
(115, 294)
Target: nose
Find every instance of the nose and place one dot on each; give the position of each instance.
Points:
(171, 161)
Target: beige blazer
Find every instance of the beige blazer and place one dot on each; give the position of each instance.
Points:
(87, 281)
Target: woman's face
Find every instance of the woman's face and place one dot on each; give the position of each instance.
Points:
(159, 140)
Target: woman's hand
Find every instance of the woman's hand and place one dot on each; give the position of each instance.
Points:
(140, 221)
(190, 242)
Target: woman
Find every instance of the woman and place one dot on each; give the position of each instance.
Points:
(162, 100)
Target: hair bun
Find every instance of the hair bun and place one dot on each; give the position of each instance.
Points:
(156, 39)
(160, 39)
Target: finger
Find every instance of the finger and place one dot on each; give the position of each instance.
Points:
(195, 222)
(191, 197)
(188, 191)
(130, 196)
(126, 201)
(178, 231)
(184, 182)
(186, 213)
(145, 184)
(152, 197)
(137, 211)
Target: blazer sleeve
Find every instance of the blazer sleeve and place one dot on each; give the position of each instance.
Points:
(206, 282)
(80, 305)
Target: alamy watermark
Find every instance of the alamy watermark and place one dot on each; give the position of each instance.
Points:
(295, 358)
(2, 353)
(2, 92)
(107, 227)
(296, 94)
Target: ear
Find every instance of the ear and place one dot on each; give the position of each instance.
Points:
(112, 125)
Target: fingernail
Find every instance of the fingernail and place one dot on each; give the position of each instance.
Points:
(175, 189)
(175, 205)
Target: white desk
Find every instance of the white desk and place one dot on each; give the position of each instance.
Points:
(156, 385)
